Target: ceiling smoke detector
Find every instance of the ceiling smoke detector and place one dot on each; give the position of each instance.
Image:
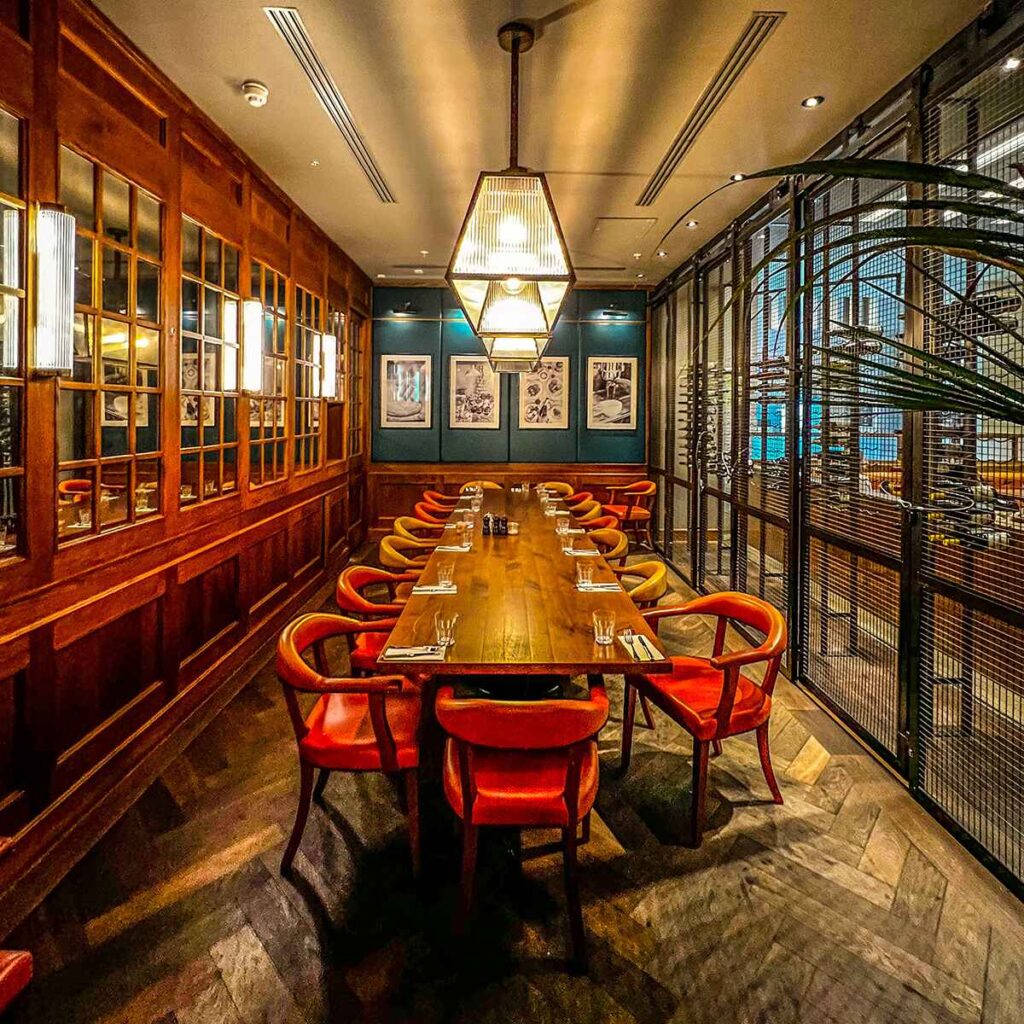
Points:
(256, 93)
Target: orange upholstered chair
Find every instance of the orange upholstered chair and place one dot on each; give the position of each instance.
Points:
(414, 528)
(355, 725)
(378, 618)
(523, 764)
(633, 507)
(578, 498)
(442, 500)
(710, 697)
(486, 485)
(403, 554)
(600, 523)
(15, 974)
(429, 513)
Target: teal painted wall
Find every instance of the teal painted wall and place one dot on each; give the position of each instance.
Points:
(427, 321)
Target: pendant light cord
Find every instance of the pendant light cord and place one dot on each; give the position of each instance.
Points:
(513, 118)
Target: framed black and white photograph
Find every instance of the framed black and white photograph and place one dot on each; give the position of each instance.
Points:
(115, 409)
(543, 395)
(611, 392)
(474, 398)
(405, 383)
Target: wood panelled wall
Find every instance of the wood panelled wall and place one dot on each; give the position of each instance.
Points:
(116, 649)
(395, 487)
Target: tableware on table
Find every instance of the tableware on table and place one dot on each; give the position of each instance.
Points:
(598, 588)
(434, 588)
(639, 647)
(446, 572)
(562, 526)
(477, 503)
(444, 625)
(550, 510)
(462, 534)
(584, 572)
(470, 520)
(604, 627)
(426, 652)
(513, 528)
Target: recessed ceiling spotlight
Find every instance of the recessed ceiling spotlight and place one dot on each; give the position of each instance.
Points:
(661, 254)
(314, 163)
(256, 93)
(737, 177)
(1011, 63)
(692, 223)
(637, 255)
(812, 101)
(424, 252)
(418, 270)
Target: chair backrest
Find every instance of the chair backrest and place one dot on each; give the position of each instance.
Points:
(611, 543)
(429, 513)
(308, 634)
(522, 724)
(487, 485)
(402, 553)
(355, 579)
(74, 490)
(653, 583)
(413, 528)
(639, 494)
(558, 487)
(586, 511)
(443, 500)
(601, 523)
(578, 498)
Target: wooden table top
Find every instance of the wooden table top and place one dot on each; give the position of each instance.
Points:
(519, 609)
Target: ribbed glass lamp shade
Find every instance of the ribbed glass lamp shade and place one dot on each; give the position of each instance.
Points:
(55, 290)
(512, 354)
(510, 270)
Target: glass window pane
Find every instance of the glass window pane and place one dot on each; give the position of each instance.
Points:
(212, 259)
(74, 502)
(147, 357)
(211, 366)
(255, 283)
(230, 420)
(77, 188)
(115, 281)
(190, 306)
(10, 334)
(190, 247)
(231, 321)
(10, 246)
(230, 268)
(9, 152)
(10, 501)
(84, 248)
(147, 213)
(116, 417)
(83, 344)
(147, 488)
(230, 475)
(114, 483)
(114, 352)
(116, 207)
(211, 312)
(147, 422)
(230, 368)
(10, 432)
(147, 291)
(76, 434)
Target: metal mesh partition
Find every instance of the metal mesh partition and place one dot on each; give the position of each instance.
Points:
(679, 549)
(971, 719)
(853, 461)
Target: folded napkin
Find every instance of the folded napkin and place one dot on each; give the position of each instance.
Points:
(598, 588)
(434, 588)
(582, 552)
(449, 526)
(577, 532)
(452, 547)
(639, 647)
(428, 652)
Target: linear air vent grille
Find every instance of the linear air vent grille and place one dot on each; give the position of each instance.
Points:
(288, 23)
(752, 38)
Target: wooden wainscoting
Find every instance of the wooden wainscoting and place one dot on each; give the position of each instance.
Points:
(395, 487)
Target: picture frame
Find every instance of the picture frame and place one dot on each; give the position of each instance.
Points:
(405, 392)
(115, 410)
(544, 395)
(611, 392)
(474, 394)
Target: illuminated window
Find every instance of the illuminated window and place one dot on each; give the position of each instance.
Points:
(209, 365)
(108, 412)
(267, 407)
(357, 370)
(308, 401)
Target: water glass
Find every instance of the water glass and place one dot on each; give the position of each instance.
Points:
(562, 526)
(477, 503)
(604, 627)
(446, 572)
(444, 624)
(584, 570)
(513, 528)
(469, 520)
(462, 531)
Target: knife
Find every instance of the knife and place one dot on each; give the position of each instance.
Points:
(648, 647)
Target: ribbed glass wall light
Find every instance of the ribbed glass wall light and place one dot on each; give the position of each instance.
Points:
(55, 290)
(510, 270)
(329, 348)
(252, 346)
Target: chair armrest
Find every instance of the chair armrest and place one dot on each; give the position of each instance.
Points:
(379, 625)
(316, 683)
(738, 658)
(657, 614)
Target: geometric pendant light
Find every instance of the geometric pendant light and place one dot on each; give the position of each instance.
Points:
(510, 269)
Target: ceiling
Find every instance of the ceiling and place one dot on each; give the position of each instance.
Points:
(605, 89)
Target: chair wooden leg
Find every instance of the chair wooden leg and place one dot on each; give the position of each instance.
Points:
(578, 949)
(469, 842)
(628, 717)
(766, 762)
(301, 814)
(646, 709)
(585, 831)
(698, 791)
(412, 811)
(716, 747)
(321, 784)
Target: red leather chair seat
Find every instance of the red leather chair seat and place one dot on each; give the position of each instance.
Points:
(367, 650)
(517, 787)
(341, 734)
(693, 690)
(627, 512)
(15, 974)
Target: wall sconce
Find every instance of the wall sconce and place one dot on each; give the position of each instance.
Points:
(329, 348)
(55, 290)
(252, 346)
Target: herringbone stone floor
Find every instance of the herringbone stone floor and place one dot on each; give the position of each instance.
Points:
(847, 904)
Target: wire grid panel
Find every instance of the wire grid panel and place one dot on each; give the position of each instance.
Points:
(856, 303)
(683, 379)
(659, 399)
(971, 710)
(972, 724)
(679, 548)
(851, 631)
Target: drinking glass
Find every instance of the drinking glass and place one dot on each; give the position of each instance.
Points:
(462, 534)
(470, 521)
(562, 526)
(446, 572)
(513, 528)
(477, 503)
(584, 570)
(444, 624)
(604, 627)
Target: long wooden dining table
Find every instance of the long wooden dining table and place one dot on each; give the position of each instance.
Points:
(519, 611)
